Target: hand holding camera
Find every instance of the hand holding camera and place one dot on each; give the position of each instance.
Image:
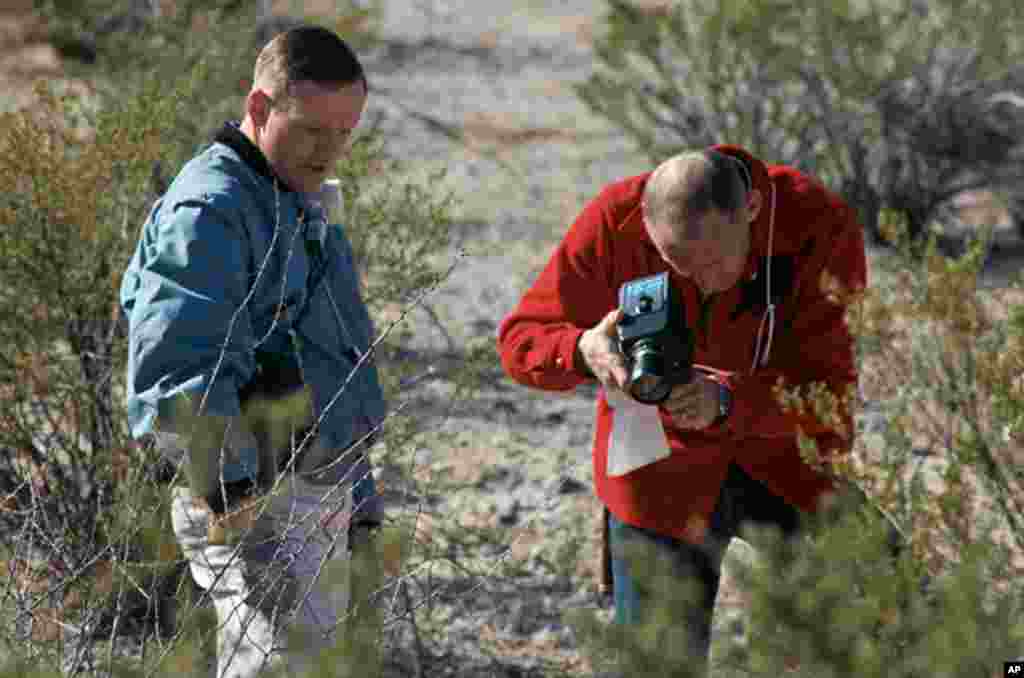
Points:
(654, 338)
(694, 405)
(599, 349)
(645, 349)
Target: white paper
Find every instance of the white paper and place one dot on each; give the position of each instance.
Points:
(638, 436)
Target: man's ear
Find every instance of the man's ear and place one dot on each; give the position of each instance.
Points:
(257, 107)
(755, 201)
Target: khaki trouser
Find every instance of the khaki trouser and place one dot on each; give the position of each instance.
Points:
(280, 582)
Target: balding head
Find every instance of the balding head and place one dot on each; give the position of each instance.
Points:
(687, 186)
(698, 207)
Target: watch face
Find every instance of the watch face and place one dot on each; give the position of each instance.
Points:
(724, 401)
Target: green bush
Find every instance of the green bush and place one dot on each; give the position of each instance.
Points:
(897, 105)
(837, 604)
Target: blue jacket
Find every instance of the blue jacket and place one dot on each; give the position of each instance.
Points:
(229, 273)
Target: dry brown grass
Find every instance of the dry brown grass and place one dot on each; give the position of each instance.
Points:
(957, 504)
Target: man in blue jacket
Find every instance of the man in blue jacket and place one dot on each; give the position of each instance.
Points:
(249, 356)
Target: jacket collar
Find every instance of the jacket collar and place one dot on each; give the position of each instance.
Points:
(231, 135)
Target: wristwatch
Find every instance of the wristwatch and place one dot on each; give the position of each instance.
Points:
(724, 404)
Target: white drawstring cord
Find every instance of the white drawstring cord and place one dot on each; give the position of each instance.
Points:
(769, 315)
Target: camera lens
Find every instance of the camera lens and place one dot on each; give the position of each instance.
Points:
(647, 388)
(647, 382)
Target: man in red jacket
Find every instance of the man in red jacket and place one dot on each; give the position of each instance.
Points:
(757, 253)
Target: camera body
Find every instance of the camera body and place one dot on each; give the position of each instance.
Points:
(654, 337)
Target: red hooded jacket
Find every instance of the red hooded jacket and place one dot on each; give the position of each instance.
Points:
(810, 240)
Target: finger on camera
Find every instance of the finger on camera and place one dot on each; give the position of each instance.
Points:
(681, 413)
(692, 387)
(622, 379)
(609, 347)
(613, 382)
(613, 373)
(610, 323)
(680, 396)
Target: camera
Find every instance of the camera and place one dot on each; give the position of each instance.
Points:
(654, 337)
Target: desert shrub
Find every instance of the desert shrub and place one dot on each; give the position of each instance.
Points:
(121, 46)
(125, 35)
(941, 372)
(896, 105)
(838, 604)
(74, 484)
(93, 576)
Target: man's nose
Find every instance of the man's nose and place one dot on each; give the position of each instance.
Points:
(337, 141)
(332, 143)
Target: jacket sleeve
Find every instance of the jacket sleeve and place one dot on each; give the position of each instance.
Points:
(190, 337)
(537, 340)
(813, 351)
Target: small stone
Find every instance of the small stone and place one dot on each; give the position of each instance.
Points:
(548, 634)
(569, 485)
(555, 418)
(507, 510)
